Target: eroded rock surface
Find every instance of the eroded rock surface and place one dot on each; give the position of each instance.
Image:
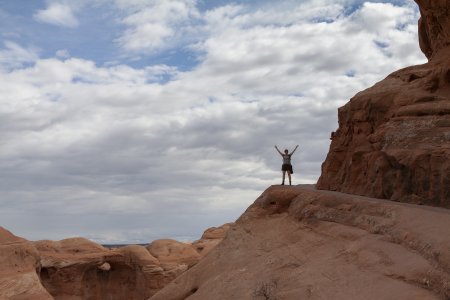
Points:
(19, 265)
(211, 238)
(80, 269)
(77, 268)
(301, 243)
(434, 33)
(393, 140)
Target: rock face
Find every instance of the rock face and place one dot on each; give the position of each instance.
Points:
(77, 268)
(434, 34)
(393, 140)
(301, 243)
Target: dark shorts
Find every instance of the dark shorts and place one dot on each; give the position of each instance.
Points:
(286, 167)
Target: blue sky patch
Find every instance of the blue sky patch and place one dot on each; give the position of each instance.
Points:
(381, 44)
(350, 73)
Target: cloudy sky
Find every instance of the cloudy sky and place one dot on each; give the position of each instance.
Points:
(126, 121)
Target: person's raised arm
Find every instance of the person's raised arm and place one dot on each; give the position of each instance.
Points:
(294, 150)
(278, 150)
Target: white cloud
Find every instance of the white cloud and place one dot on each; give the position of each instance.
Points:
(59, 14)
(381, 17)
(62, 53)
(118, 153)
(15, 56)
(154, 25)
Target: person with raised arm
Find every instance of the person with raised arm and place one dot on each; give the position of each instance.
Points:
(286, 166)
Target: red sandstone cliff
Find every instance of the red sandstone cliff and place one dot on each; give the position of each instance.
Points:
(393, 140)
(434, 24)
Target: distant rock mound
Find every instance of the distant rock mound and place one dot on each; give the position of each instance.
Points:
(393, 140)
(301, 243)
(77, 268)
(81, 269)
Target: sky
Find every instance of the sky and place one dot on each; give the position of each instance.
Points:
(126, 121)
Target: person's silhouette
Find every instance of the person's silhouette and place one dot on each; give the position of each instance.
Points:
(286, 166)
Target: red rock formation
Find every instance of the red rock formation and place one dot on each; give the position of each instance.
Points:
(211, 238)
(216, 233)
(19, 264)
(434, 24)
(77, 268)
(81, 269)
(173, 253)
(301, 243)
(393, 139)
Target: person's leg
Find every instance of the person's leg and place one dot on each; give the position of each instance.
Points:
(284, 175)
(289, 175)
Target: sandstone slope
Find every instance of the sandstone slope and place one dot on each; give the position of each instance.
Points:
(393, 140)
(301, 243)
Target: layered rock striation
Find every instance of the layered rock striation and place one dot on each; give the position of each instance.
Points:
(77, 268)
(393, 139)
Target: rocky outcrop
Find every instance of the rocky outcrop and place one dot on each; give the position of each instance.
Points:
(302, 243)
(434, 25)
(211, 238)
(173, 253)
(19, 267)
(80, 269)
(77, 268)
(393, 140)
